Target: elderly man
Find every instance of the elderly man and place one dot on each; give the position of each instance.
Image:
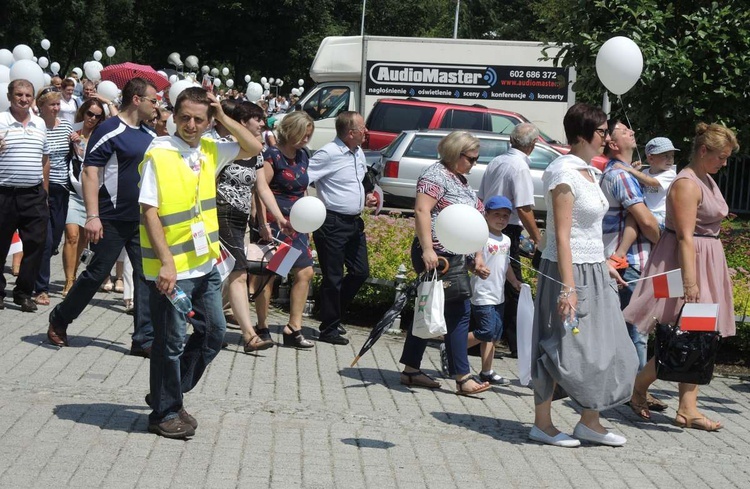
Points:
(338, 170)
(24, 181)
(509, 175)
(180, 240)
(625, 197)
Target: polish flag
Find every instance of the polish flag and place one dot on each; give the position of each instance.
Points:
(699, 317)
(668, 284)
(15, 245)
(225, 264)
(282, 261)
(378, 193)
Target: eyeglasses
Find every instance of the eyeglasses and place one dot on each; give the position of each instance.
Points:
(359, 129)
(603, 133)
(152, 100)
(49, 90)
(91, 114)
(472, 159)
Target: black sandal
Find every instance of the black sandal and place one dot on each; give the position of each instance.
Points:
(295, 339)
(483, 386)
(263, 333)
(412, 379)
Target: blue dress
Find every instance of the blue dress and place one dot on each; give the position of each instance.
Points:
(289, 184)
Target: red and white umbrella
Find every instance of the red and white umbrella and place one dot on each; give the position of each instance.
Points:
(122, 73)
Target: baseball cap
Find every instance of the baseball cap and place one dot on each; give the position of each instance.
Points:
(498, 202)
(659, 145)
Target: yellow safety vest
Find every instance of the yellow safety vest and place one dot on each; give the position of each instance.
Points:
(184, 199)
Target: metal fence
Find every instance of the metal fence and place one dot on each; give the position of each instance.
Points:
(734, 182)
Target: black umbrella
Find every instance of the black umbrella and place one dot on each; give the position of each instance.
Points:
(407, 293)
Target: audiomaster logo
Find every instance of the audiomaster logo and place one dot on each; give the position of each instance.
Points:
(432, 75)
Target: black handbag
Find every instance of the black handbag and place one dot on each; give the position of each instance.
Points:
(685, 356)
(451, 270)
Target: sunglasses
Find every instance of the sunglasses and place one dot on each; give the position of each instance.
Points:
(472, 159)
(152, 100)
(49, 90)
(602, 132)
(95, 116)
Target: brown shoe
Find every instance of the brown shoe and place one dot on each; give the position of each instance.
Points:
(173, 428)
(56, 336)
(257, 344)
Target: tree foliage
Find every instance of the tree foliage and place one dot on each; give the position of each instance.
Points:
(696, 59)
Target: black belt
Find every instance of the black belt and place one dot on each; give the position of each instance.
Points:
(345, 217)
(20, 190)
(695, 234)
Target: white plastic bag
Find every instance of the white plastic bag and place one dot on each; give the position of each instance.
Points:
(225, 263)
(524, 326)
(429, 320)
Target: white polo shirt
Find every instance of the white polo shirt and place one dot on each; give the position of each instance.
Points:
(21, 160)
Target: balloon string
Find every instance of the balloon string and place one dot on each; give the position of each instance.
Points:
(540, 273)
(619, 97)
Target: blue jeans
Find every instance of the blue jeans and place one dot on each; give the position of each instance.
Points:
(489, 321)
(457, 315)
(117, 234)
(176, 366)
(639, 340)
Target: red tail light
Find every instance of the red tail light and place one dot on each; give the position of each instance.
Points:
(366, 141)
(391, 169)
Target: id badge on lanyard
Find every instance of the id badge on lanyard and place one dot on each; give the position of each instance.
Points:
(198, 229)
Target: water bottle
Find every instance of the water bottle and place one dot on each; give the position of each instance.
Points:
(526, 245)
(181, 301)
(571, 324)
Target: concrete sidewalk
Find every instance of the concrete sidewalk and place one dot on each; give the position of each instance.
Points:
(75, 417)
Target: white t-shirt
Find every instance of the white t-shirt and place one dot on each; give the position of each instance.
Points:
(656, 197)
(149, 195)
(68, 109)
(491, 291)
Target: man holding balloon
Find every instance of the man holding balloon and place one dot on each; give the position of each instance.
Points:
(339, 171)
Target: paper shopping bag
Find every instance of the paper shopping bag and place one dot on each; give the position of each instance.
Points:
(429, 321)
(524, 325)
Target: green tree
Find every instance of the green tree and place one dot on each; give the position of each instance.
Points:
(696, 59)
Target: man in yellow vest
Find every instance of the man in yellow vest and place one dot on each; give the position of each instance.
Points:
(180, 244)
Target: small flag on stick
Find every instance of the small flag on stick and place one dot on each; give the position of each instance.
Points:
(15, 245)
(668, 284)
(282, 261)
(699, 317)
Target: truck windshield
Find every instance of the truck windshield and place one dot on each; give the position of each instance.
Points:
(327, 103)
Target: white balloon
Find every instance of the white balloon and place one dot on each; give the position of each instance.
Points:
(6, 58)
(4, 102)
(54, 67)
(230, 83)
(111, 51)
(174, 59)
(300, 82)
(267, 93)
(176, 89)
(173, 78)
(43, 62)
(462, 229)
(263, 80)
(171, 126)
(108, 90)
(214, 71)
(247, 78)
(97, 55)
(225, 71)
(205, 69)
(301, 90)
(271, 80)
(45, 44)
(75, 70)
(47, 80)
(192, 62)
(295, 91)
(307, 214)
(27, 70)
(254, 91)
(163, 74)
(34, 59)
(217, 82)
(93, 70)
(280, 83)
(22, 51)
(4, 77)
(619, 64)
(267, 86)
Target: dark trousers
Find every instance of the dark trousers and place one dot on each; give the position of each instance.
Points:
(340, 242)
(58, 212)
(513, 231)
(117, 234)
(24, 209)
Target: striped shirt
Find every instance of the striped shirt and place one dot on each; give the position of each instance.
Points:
(58, 140)
(21, 160)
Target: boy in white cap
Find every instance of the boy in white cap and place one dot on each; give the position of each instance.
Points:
(660, 156)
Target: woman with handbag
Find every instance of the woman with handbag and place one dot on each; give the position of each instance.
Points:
(440, 185)
(580, 344)
(695, 209)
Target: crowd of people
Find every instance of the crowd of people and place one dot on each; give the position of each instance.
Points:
(161, 209)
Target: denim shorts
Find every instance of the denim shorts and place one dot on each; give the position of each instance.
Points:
(489, 321)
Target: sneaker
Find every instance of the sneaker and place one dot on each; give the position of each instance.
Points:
(172, 428)
(494, 378)
(444, 361)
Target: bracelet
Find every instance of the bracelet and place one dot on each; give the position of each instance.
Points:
(565, 294)
(91, 218)
(687, 286)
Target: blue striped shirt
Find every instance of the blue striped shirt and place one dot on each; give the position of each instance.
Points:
(21, 160)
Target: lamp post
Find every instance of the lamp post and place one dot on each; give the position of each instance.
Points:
(362, 29)
(455, 22)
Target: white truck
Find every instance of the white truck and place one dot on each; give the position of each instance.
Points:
(352, 73)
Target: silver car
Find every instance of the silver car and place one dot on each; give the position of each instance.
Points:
(404, 160)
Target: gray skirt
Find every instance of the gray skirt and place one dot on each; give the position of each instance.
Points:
(596, 367)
